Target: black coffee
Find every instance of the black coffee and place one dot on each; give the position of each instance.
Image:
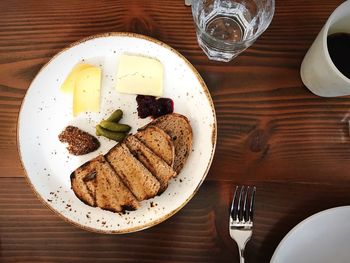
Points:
(339, 51)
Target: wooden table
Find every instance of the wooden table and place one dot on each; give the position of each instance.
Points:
(272, 132)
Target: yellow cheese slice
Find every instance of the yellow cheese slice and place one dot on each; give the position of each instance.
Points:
(140, 75)
(86, 96)
(69, 83)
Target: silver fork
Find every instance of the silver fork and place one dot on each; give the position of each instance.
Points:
(241, 217)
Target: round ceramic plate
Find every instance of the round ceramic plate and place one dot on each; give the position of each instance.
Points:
(45, 112)
(321, 238)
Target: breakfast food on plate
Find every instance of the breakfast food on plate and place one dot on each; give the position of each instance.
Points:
(96, 184)
(112, 126)
(111, 129)
(86, 95)
(84, 83)
(115, 136)
(79, 142)
(136, 177)
(69, 84)
(159, 142)
(156, 165)
(152, 106)
(138, 167)
(143, 76)
(116, 116)
(140, 75)
(179, 129)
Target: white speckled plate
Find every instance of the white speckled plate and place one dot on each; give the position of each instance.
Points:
(45, 112)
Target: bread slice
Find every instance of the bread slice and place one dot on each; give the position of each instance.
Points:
(179, 129)
(159, 142)
(80, 177)
(156, 165)
(136, 177)
(111, 193)
(96, 184)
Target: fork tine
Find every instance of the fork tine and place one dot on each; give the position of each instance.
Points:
(239, 207)
(233, 211)
(245, 216)
(240, 222)
(251, 208)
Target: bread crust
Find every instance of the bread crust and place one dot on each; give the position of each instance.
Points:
(179, 129)
(136, 177)
(89, 181)
(156, 165)
(159, 142)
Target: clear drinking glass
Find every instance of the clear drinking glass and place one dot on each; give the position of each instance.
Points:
(227, 27)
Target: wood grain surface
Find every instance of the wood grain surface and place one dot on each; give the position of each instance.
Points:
(272, 132)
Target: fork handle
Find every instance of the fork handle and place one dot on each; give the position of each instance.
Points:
(241, 255)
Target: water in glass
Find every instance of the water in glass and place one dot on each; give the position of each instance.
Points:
(227, 27)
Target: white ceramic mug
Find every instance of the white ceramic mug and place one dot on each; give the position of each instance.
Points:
(318, 72)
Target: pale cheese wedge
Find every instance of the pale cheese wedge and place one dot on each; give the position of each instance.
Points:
(140, 75)
(69, 83)
(86, 96)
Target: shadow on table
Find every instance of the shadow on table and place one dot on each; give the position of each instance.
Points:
(302, 206)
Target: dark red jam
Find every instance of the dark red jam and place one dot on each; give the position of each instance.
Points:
(151, 106)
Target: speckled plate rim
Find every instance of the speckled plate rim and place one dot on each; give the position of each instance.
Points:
(213, 139)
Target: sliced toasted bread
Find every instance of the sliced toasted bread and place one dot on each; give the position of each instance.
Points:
(136, 177)
(111, 193)
(96, 184)
(179, 129)
(159, 142)
(156, 165)
(80, 177)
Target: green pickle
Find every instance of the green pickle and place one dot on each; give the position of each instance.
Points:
(98, 130)
(116, 136)
(116, 127)
(116, 116)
